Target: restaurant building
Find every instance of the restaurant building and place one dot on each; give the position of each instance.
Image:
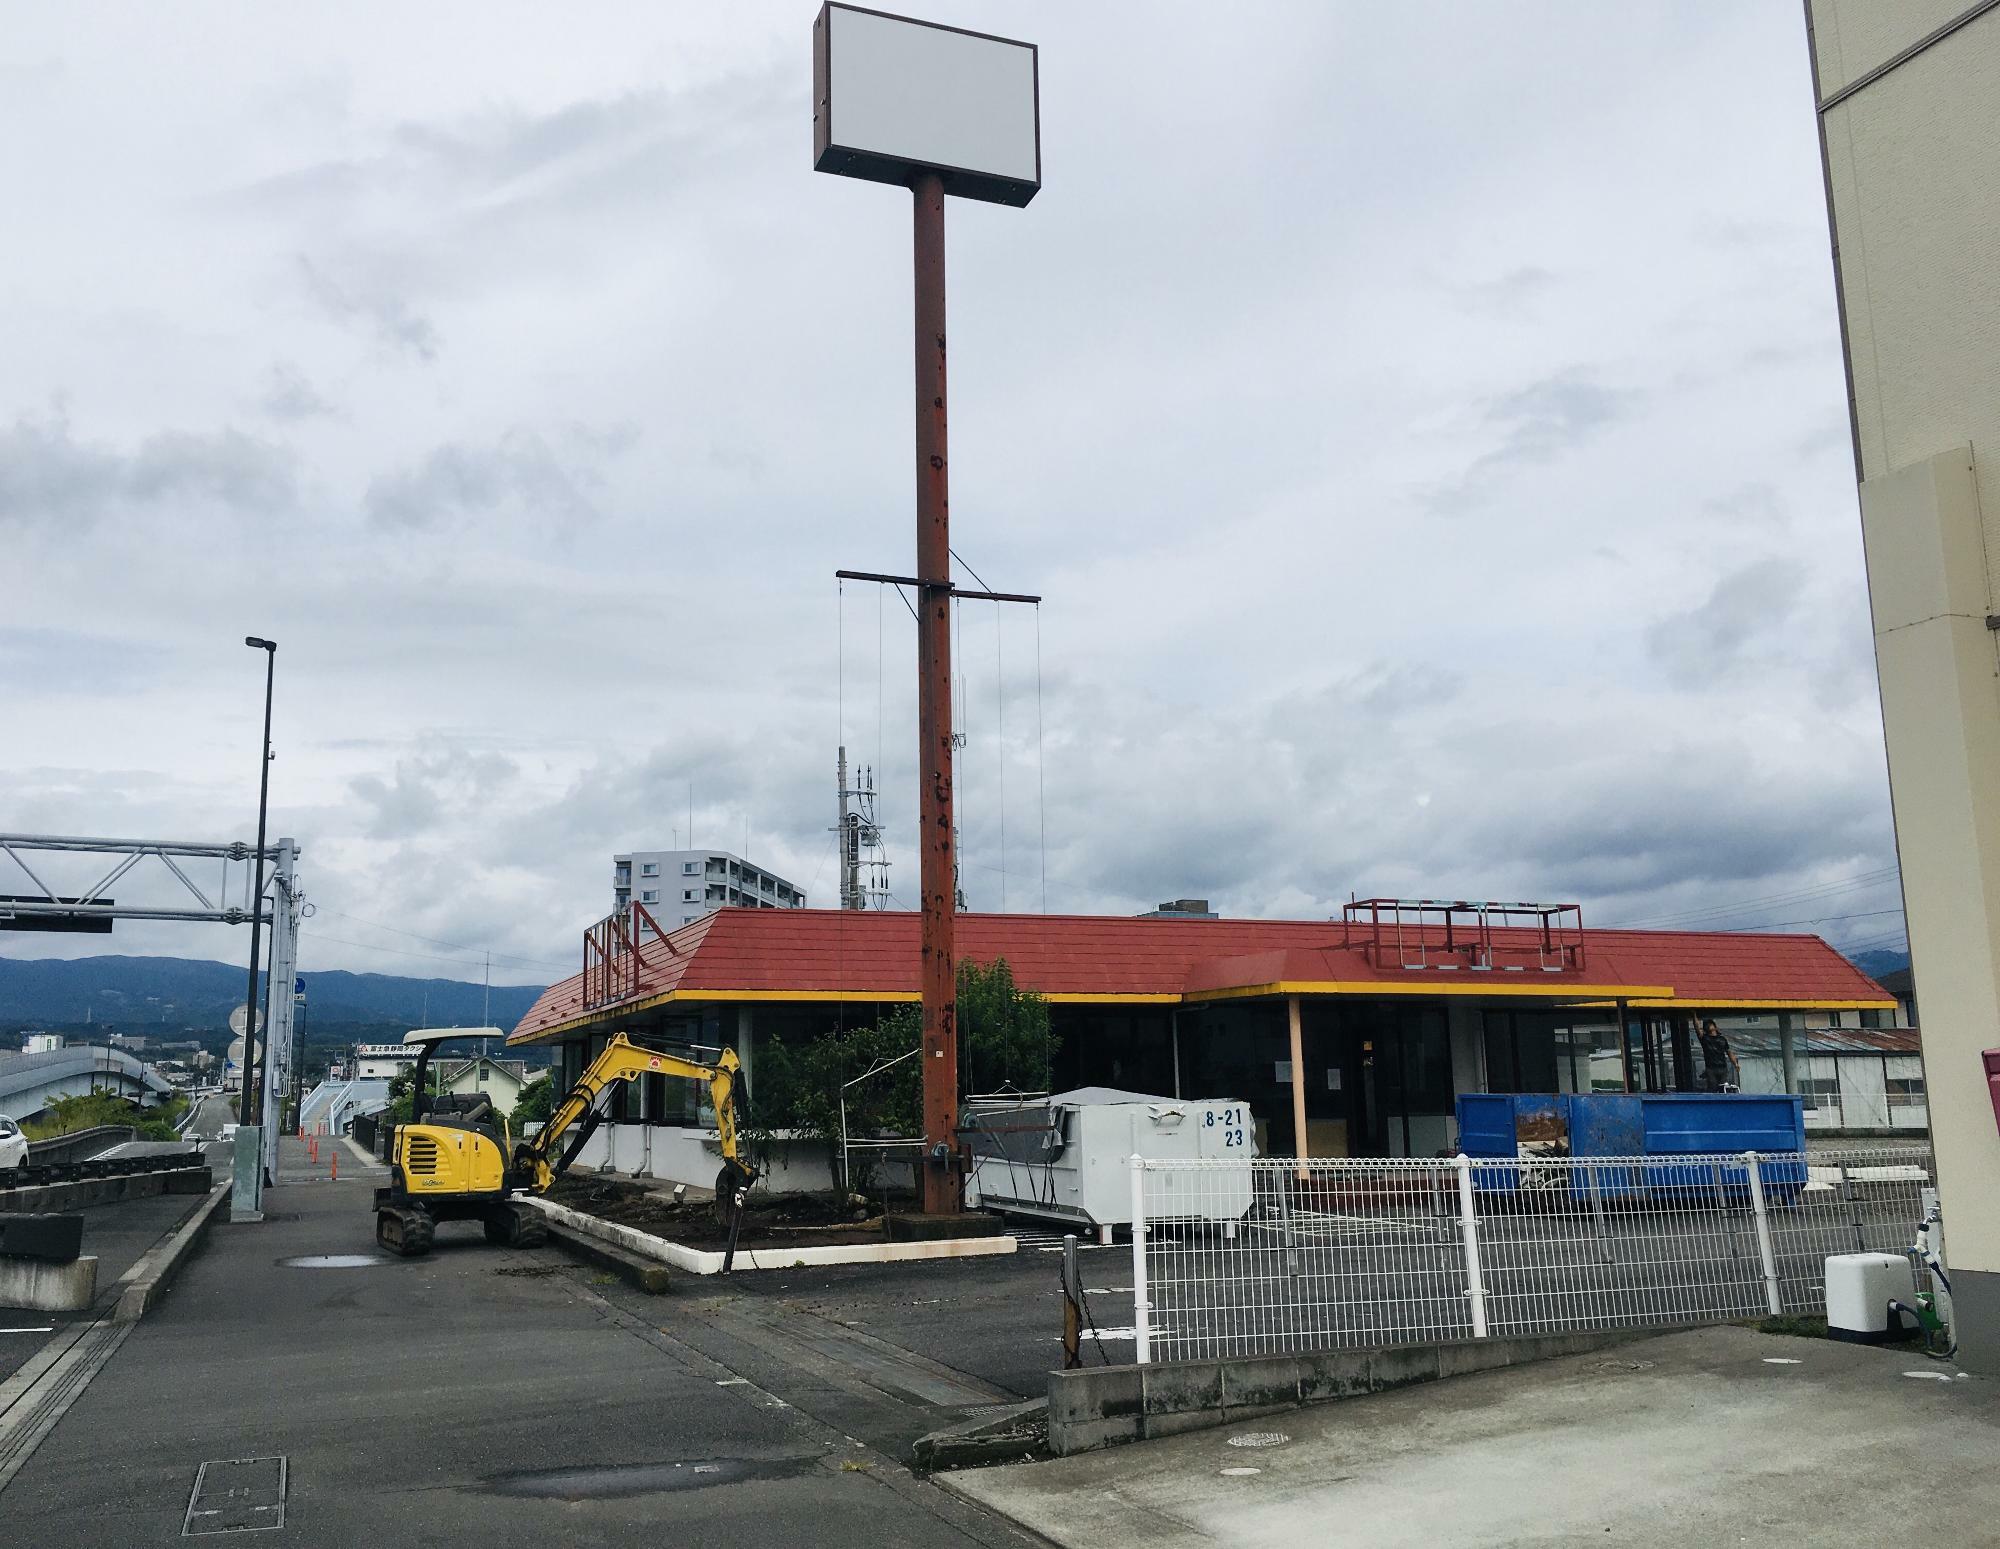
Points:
(1368, 1025)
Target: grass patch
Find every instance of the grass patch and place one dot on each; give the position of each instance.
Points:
(1812, 1326)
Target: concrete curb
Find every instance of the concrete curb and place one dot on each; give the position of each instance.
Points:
(642, 1274)
(1102, 1406)
(992, 1438)
(700, 1261)
(146, 1280)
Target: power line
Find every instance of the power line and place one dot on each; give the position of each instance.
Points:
(1792, 896)
(1818, 919)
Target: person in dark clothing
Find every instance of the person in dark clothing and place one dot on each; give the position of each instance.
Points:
(1719, 1070)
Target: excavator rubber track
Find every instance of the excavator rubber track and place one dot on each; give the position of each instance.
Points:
(514, 1226)
(404, 1232)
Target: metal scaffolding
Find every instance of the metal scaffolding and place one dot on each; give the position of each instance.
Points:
(282, 907)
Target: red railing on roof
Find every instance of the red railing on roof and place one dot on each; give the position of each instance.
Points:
(611, 955)
(1447, 935)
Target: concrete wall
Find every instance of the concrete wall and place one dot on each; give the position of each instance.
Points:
(1102, 1406)
(1912, 162)
(693, 1156)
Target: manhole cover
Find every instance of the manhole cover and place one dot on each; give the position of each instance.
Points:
(236, 1495)
(1259, 1439)
(334, 1261)
(1624, 1366)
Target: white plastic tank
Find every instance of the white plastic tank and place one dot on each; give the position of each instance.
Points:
(1859, 1289)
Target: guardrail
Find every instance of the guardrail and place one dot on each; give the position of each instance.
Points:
(80, 1143)
(1273, 1256)
(35, 1174)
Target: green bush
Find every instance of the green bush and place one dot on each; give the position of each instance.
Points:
(67, 1115)
(536, 1104)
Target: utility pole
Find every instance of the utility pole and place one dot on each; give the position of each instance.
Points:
(906, 102)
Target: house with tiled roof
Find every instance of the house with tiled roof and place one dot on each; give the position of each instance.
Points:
(1392, 1010)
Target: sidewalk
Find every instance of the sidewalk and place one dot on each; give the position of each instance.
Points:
(1690, 1439)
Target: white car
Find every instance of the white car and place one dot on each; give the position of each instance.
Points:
(13, 1144)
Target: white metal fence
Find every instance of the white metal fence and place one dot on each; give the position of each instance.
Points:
(1270, 1255)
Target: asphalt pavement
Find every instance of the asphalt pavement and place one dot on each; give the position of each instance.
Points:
(475, 1395)
(118, 1234)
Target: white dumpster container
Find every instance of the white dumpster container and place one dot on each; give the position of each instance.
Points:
(1859, 1288)
(1067, 1157)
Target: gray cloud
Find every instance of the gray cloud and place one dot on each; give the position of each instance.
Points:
(1549, 417)
(47, 475)
(288, 396)
(1700, 645)
(520, 470)
(379, 312)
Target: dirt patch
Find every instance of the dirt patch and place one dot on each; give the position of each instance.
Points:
(769, 1220)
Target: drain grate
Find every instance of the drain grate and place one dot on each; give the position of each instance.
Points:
(1259, 1439)
(236, 1495)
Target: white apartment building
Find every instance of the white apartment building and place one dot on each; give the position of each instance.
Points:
(679, 886)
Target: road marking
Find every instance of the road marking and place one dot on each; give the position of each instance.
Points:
(49, 1381)
(46, 1328)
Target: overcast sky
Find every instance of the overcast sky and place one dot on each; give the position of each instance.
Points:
(1424, 421)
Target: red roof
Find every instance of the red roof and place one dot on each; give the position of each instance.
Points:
(822, 955)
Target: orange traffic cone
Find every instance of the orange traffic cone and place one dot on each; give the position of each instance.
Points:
(334, 1158)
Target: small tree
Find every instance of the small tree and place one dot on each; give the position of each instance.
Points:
(1004, 1038)
(536, 1104)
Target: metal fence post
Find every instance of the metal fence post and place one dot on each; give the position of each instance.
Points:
(1468, 1226)
(1597, 1212)
(1772, 1298)
(1141, 1308)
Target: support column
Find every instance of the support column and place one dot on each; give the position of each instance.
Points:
(1625, 1045)
(1298, 1085)
(280, 984)
(937, 842)
(1788, 1055)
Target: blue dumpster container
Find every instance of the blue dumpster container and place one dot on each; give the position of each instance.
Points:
(1608, 1124)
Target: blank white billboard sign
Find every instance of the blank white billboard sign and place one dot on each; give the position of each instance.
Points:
(893, 97)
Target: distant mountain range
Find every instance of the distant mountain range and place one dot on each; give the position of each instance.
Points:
(1876, 964)
(131, 994)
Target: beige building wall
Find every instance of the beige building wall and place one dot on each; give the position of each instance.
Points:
(1909, 106)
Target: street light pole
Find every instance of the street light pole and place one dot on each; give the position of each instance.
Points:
(247, 1106)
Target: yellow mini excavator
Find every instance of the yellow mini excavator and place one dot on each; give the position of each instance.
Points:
(452, 1161)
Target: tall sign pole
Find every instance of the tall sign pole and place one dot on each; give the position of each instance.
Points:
(937, 851)
(940, 111)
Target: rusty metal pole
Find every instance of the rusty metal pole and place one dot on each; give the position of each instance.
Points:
(936, 849)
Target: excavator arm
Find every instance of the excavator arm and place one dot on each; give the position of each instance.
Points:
(539, 1162)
